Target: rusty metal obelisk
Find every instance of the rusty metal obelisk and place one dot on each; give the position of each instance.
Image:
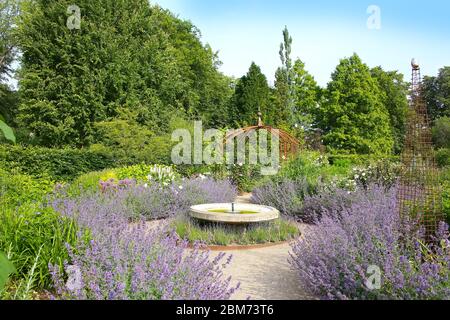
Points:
(419, 190)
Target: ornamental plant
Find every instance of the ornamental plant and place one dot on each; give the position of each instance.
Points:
(335, 258)
(285, 195)
(116, 260)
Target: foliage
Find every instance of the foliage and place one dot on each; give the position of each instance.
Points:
(284, 91)
(436, 91)
(6, 269)
(57, 164)
(217, 234)
(126, 55)
(244, 176)
(446, 200)
(157, 173)
(353, 117)
(35, 236)
(8, 50)
(8, 133)
(306, 95)
(443, 157)
(16, 189)
(441, 132)
(382, 172)
(334, 259)
(286, 195)
(147, 201)
(394, 91)
(25, 287)
(315, 168)
(251, 96)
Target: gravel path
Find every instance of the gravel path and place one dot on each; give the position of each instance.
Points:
(264, 274)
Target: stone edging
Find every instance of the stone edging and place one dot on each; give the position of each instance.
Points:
(243, 247)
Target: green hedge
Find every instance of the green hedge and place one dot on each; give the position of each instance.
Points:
(57, 164)
(357, 159)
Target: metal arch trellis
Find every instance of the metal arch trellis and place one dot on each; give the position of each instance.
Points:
(419, 190)
(289, 145)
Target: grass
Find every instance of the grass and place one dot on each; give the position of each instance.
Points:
(227, 235)
(34, 236)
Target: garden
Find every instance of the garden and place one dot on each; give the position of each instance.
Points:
(92, 206)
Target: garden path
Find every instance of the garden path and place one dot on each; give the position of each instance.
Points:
(264, 273)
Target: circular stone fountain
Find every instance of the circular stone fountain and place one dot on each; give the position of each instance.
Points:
(234, 213)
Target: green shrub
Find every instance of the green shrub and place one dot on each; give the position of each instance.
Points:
(315, 168)
(90, 182)
(16, 189)
(58, 164)
(441, 132)
(443, 157)
(446, 201)
(33, 235)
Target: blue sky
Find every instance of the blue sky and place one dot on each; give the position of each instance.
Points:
(324, 31)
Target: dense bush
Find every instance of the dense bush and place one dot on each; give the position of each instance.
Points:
(141, 173)
(441, 132)
(443, 157)
(334, 258)
(315, 168)
(58, 164)
(34, 236)
(382, 172)
(31, 234)
(131, 262)
(16, 189)
(330, 198)
(286, 195)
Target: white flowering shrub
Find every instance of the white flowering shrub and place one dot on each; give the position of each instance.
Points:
(163, 175)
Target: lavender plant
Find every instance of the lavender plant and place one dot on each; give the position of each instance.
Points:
(286, 195)
(152, 201)
(330, 198)
(334, 257)
(119, 260)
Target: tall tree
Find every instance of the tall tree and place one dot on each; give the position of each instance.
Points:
(125, 54)
(394, 92)
(8, 98)
(354, 118)
(306, 95)
(251, 95)
(437, 94)
(284, 77)
(8, 13)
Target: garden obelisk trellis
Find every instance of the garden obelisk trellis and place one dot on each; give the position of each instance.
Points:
(419, 192)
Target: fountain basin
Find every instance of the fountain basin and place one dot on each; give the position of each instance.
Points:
(243, 213)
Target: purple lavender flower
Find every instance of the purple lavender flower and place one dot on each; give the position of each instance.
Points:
(334, 256)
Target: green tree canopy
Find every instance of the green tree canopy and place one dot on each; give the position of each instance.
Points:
(251, 95)
(284, 83)
(437, 94)
(394, 92)
(306, 95)
(441, 132)
(353, 117)
(126, 54)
